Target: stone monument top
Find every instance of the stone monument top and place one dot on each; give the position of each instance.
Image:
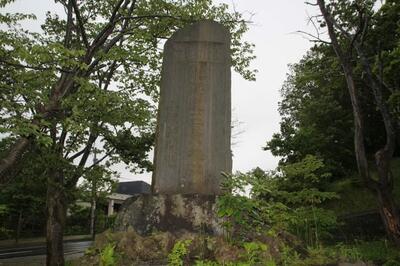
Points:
(202, 31)
(194, 118)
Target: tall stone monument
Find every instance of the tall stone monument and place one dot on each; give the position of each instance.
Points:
(193, 136)
(194, 119)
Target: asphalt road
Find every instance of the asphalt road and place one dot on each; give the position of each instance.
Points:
(26, 251)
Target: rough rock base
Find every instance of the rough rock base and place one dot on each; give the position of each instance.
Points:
(169, 213)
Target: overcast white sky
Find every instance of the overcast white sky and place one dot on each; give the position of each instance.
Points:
(255, 103)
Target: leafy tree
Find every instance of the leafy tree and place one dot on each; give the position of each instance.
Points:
(4, 231)
(347, 26)
(310, 172)
(346, 91)
(98, 184)
(90, 77)
(25, 198)
(315, 114)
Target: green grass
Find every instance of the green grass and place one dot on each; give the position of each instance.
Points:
(380, 252)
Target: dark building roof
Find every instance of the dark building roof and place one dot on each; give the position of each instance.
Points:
(133, 187)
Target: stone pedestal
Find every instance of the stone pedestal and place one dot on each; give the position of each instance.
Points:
(173, 213)
(194, 119)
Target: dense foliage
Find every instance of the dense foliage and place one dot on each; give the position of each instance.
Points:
(316, 110)
(267, 202)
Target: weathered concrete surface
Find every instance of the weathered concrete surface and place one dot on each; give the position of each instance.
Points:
(152, 213)
(194, 120)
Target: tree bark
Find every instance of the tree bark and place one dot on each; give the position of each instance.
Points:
(93, 204)
(56, 213)
(19, 227)
(55, 203)
(389, 214)
(12, 157)
(93, 218)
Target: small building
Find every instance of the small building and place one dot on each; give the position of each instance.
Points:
(125, 190)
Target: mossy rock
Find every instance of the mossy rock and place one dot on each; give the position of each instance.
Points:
(130, 248)
(151, 213)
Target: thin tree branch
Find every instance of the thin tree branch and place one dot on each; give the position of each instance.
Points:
(114, 40)
(99, 161)
(106, 31)
(72, 144)
(155, 17)
(316, 38)
(62, 138)
(76, 155)
(68, 32)
(39, 68)
(80, 24)
(311, 4)
(78, 172)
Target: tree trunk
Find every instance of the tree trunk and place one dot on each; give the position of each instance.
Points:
(19, 226)
(56, 213)
(389, 213)
(93, 218)
(11, 158)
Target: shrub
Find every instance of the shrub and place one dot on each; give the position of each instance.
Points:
(107, 255)
(179, 252)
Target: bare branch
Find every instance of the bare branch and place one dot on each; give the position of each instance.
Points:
(155, 17)
(76, 155)
(311, 4)
(311, 20)
(100, 160)
(315, 38)
(62, 138)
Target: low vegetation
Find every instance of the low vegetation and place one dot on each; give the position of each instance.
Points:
(269, 219)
